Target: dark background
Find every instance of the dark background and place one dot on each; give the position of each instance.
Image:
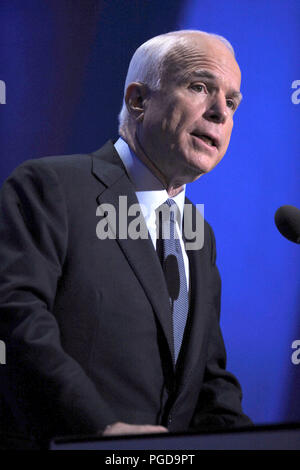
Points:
(64, 63)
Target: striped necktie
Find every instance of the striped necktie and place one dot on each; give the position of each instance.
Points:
(170, 254)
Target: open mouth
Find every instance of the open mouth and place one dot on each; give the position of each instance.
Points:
(208, 140)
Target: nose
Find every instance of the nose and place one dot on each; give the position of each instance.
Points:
(217, 110)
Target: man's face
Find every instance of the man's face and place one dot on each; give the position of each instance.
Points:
(187, 124)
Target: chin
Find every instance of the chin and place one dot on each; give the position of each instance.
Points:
(202, 164)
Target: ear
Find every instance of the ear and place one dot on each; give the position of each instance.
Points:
(135, 99)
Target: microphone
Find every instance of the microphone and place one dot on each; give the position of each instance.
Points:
(287, 220)
(172, 277)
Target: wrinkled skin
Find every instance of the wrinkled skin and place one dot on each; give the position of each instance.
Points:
(170, 121)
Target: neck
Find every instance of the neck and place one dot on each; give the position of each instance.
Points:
(172, 187)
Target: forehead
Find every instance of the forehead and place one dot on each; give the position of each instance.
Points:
(202, 53)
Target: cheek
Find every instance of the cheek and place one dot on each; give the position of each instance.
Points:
(178, 117)
(227, 134)
(172, 121)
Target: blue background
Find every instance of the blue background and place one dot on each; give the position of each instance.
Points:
(64, 63)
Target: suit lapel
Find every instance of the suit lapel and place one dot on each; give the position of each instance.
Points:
(197, 329)
(140, 253)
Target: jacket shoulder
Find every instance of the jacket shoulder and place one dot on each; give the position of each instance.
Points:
(67, 167)
(64, 168)
(58, 163)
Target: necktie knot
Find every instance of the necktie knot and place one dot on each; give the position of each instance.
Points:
(173, 209)
(167, 214)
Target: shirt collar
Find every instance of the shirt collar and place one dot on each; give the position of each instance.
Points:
(149, 190)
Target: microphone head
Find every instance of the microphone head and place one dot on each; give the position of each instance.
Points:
(172, 276)
(287, 220)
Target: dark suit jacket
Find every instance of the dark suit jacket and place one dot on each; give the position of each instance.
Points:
(87, 322)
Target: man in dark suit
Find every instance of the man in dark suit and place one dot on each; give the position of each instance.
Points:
(85, 313)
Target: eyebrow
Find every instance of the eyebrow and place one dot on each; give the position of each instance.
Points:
(209, 75)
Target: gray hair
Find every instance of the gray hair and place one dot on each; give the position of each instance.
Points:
(146, 65)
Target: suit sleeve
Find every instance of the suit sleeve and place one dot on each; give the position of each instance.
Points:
(47, 391)
(219, 402)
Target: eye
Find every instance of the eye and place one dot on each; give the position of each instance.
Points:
(231, 104)
(199, 87)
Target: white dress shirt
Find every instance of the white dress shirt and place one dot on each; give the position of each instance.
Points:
(150, 194)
